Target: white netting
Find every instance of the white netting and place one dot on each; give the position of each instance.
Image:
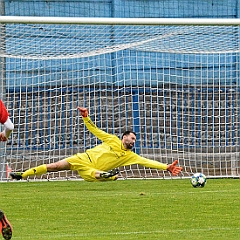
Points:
(176, 86)
(71, 41)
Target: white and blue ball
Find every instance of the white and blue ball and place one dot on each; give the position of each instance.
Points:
(198, 180)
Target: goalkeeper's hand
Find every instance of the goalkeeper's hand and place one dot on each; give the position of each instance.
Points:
(83, 111)
(172, 168)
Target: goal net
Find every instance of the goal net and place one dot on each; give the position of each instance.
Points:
(176, 86)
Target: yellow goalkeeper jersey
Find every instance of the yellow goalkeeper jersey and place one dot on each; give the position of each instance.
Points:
(111, 153)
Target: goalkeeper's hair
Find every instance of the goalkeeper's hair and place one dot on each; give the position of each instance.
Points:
(127, 133)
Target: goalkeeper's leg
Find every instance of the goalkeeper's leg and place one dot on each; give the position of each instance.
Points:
(93, 175)
(42, 169)
(108, 174)
(89, 174)
(80, 162)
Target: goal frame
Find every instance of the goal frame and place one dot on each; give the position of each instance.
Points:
(122, 21)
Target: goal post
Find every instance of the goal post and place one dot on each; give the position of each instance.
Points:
(175, 82)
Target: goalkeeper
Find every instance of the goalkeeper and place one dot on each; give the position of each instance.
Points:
(101, 162)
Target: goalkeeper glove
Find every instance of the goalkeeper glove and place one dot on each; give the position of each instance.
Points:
(172, 168)
(83, 111)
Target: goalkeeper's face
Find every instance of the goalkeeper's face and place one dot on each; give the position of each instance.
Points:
(129, 140)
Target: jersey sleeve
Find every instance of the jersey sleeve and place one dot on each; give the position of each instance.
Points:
(100, 134)
(136, 159)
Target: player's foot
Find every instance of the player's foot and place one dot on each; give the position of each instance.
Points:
(16, 175)
(5, 226)
(110, 173)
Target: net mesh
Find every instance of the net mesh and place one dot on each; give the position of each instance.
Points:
(175, 86)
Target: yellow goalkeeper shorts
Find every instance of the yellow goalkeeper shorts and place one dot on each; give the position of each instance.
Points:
(81, 163)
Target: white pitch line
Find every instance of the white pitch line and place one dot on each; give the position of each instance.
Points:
(60, 236)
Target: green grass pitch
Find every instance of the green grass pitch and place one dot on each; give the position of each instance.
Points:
(124, 210)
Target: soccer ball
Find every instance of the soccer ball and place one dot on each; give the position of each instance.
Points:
(198, 180)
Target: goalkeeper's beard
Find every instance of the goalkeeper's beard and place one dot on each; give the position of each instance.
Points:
(129, 145)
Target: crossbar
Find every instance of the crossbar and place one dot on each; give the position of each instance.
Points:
(119, 21)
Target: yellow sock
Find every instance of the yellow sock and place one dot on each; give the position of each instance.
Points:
(42, 169)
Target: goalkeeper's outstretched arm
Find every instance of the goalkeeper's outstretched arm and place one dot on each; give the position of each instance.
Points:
(172, 168)
(100, 134)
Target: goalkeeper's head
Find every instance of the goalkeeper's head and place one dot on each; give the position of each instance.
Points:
(128, 139)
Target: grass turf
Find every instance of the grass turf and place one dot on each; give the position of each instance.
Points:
(130, 209)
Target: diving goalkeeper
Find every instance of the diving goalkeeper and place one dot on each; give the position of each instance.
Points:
(100, 163)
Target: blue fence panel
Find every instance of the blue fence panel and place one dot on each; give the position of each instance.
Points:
(122, 8)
